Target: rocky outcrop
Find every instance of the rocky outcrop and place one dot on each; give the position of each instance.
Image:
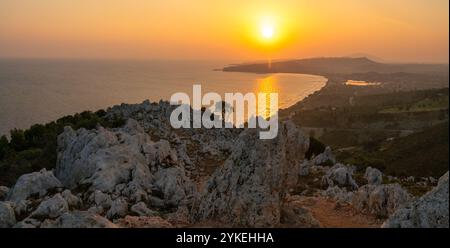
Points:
(51, 208)
(430, 210)
(102, 159)
(175, 187)
(326, 157)
(380, 200)
(340, 175)
(7, 216)
(373, 176)
(340, 195)
(122, 162)
(33, 184)
(250, 187)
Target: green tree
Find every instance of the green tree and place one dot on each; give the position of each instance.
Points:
(18, 141)
(4, 146)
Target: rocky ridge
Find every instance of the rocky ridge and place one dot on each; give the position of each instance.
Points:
(147, 174)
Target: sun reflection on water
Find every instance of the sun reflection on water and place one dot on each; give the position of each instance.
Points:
(266, 86)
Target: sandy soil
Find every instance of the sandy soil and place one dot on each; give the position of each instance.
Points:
(332, 215)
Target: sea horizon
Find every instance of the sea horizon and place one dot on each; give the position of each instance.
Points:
(36, 91)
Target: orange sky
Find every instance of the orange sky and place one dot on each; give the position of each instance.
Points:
(400, 30)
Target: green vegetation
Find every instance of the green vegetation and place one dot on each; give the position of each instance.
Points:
(368, 129)
(424, 105)
(35, 148)
(421, 154)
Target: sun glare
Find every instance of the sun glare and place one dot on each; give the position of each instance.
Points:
(267, 31)
(267, 28)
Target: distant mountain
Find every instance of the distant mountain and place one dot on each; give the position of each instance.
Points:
(337, 65)
(369, 56)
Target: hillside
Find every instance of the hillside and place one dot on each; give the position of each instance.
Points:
(421, 154)
(340, 65)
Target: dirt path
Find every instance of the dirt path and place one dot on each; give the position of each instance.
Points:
(333, 215)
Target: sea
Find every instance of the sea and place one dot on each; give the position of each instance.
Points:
(42, 90)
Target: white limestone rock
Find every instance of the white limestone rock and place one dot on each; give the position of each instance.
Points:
(340, 175)
(248, 190)
(429, 211)
(103, 158)
(36, 183)
(175, 186)
(51, 208)
(381, 200)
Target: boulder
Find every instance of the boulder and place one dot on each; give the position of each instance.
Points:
(381, 200)
(81, 219)
(100, 199)
(429, 211)
(51, 208)
(73, 201)
(7, 216)
(36, 183)
(142, 210)
(326, 157)
(340, 175)
(119, 208)
(250, 187)
(373, 176)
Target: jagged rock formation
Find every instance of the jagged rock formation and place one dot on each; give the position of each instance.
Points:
(249, 189)
(147, 174)
(380, 200)
(340, 175)
(430, 210)
(123, 162)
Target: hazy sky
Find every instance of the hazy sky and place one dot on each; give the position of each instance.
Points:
(399, 30)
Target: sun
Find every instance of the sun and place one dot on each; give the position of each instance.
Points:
(267, 31)
(267, 27)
